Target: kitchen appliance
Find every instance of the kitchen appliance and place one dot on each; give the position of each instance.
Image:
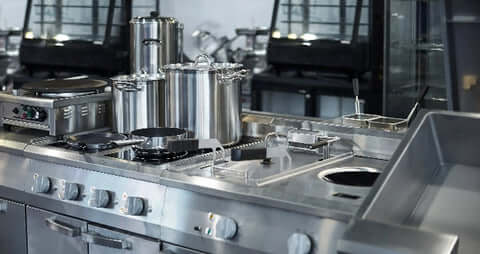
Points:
(138, 102)
(58, 106)
(204, 98)
(154, 42)
(102, 202)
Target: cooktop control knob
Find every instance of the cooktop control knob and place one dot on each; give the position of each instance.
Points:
(41, 184)
(225, 228)
(133, 206)
(299, 243)
(99, 198)
(69, 191)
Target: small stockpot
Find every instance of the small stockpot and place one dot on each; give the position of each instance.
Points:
(155, 41)
(204, 98)
(138, 102)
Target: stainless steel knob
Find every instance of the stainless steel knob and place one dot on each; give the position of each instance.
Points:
(41, 184)
(133, 206)
(69, 191)
(299, 243)
(99, 198)
(225, 228)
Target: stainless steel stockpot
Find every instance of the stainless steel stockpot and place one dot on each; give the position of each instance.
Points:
(155, 41)
(138, 102)
(204, 98)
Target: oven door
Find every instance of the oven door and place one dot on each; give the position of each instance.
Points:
(12, 221)
(105, 241)
(54, 234)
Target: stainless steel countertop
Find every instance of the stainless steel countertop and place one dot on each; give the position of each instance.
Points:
(304, 193)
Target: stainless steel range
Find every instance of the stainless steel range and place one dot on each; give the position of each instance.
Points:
(292, 192)
(59, 106)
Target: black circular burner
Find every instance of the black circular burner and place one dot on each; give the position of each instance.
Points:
(157, 156)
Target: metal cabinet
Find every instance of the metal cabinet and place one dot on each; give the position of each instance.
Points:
(105, 241)
(174, 249)
(54, 234)
(12, 221)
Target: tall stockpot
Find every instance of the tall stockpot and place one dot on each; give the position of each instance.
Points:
(155, 41)
(138, 102)
(204, 98)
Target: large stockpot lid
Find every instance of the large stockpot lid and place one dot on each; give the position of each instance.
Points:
(204, 64)
(136, 82)
(138, 77)
(153, 18)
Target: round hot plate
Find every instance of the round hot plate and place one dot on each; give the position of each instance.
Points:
(65, 86)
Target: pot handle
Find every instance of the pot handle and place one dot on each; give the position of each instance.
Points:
(127, 86)
(203, 59)
(232, 76)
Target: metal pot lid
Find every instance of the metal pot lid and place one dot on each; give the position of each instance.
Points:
(153, 18)
(138, 77)
(203, 63)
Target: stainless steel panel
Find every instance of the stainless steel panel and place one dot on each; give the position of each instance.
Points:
(13, 236)
(112, 242)
(369, 237)
(44, 238)
(439, 161)
(118, 188)
(187, 221)
(174, 249)
(13, 170)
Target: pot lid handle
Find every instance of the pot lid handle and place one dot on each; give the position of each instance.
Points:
(203, 59)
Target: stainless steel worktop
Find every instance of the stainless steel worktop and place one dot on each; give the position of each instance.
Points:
(177, 204)
(305, 193)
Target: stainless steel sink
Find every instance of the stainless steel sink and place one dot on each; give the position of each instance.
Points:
(350, 176)
(432, 182)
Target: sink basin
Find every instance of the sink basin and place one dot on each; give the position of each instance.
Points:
(350, 176)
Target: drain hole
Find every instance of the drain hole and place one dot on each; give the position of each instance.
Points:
(346, 196)
(352, 178)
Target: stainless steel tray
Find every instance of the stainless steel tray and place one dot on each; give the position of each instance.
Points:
(359, 120)
(388, 123)
(433, 180)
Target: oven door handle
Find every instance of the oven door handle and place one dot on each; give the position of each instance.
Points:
(62, 228)
(97, 239)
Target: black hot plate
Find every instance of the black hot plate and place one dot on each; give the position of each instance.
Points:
(65, 86)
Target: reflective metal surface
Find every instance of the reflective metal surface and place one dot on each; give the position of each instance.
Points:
(155, 41)
(192, 213)
(438, 159)
(204, 98)
(138, 102)
(58, 116)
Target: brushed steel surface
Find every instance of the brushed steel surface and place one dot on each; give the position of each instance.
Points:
(42, 239)
(438, 160)
(105, 241)
(200, 100)
(138, 103)
(154, 42)
(63, 115)
(12, 220)
(370, 237)
(186, 211)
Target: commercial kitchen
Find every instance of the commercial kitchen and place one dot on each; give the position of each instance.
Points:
(227, 126)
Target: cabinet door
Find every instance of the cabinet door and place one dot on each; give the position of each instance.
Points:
(174, 249)
(105, 241)
(13, 237)
(54, 234)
